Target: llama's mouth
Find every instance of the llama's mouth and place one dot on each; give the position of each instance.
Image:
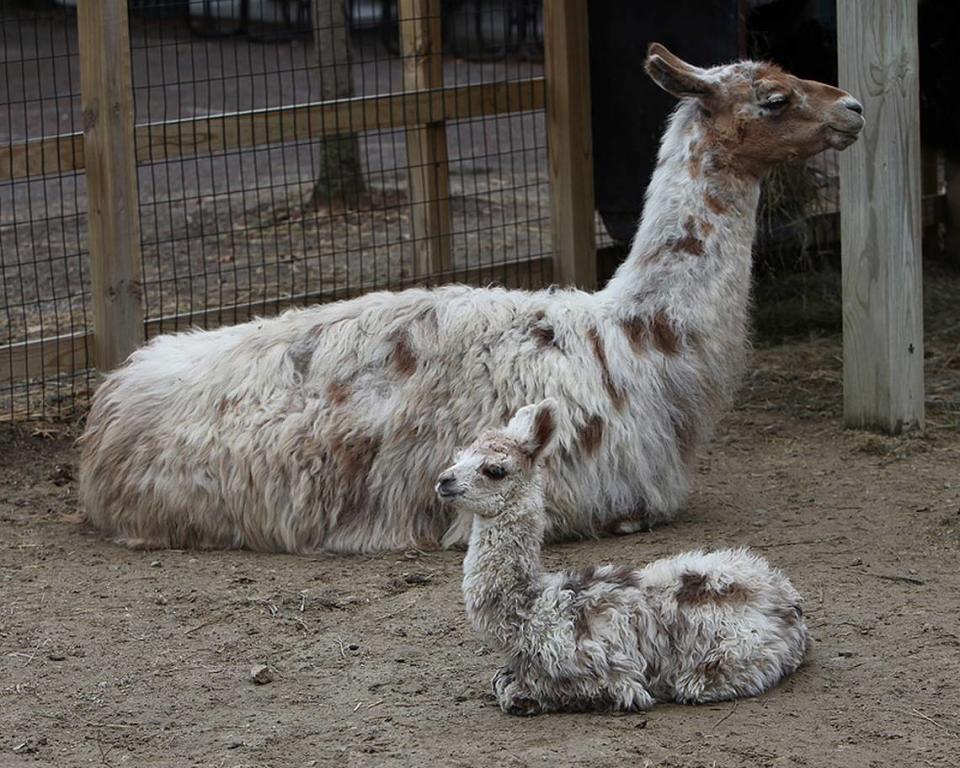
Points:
(842, 138)
(447, 492)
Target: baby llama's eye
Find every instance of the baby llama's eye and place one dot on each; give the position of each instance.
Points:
(494, 472)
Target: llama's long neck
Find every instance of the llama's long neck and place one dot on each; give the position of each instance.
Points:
(684, 289)
(690, 258)
(501, 571)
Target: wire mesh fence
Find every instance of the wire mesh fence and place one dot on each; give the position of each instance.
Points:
(288, 153)
(43, 251)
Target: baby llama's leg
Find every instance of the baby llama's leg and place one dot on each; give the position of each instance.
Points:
(742, 666)
(708, 680)
(513, 697)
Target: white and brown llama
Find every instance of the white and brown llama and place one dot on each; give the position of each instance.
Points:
(692, 628)
(324, 428)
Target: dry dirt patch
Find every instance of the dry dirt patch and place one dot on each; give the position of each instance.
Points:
(110, 657)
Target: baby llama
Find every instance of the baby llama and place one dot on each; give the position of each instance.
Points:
(692, 628)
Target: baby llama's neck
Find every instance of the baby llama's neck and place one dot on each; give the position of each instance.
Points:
(501, 571)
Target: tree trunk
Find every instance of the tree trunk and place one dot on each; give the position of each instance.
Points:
(340, 178)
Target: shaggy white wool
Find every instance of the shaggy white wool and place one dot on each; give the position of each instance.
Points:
(324, 428)
(693, 628)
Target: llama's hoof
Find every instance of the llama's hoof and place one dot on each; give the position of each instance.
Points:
(627, 525)
(522, 707)
(513, 698)
(633, 698)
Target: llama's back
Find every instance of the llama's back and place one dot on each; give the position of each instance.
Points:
(322, 428)
(270, 435)
(736, 621)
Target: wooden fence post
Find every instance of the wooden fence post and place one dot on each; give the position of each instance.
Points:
(112, 198)
(569, 142)
(880, 218)
(421, 43)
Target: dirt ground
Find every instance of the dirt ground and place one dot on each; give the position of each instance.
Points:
(110, 657)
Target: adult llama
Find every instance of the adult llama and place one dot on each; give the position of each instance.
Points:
(325, 428)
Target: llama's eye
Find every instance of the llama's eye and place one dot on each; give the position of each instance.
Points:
(494, 472)
(776, 101)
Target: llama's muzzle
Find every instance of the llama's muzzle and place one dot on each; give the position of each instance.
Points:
(447, 487)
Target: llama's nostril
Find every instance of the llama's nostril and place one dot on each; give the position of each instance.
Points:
(445, 485)
(854, 105)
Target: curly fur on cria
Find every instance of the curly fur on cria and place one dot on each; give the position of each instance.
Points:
(693, 628)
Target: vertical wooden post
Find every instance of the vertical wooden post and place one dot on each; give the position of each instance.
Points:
(112, 198)
(880, 215)
(421, 42)
(569, 142)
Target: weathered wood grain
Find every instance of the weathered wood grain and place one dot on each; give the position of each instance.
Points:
(880, 205)
(113, 201)
(300, 122)
(569, 142)
(421, 44)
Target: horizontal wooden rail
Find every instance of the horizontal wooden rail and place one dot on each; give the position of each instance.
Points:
(235, 130)
(51, 357)
(27, 360)
(39, 157)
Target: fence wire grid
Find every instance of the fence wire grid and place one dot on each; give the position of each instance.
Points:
(326, 178)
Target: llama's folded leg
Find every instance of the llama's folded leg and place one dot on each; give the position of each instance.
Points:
(519, 701)
(631, 696)
(632, 523)
(512, 696)
(709, 681)
(501, 679)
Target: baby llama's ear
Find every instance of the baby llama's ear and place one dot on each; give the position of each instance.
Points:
(535, 427)
(675, 76)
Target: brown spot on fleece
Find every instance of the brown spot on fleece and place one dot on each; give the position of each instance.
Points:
(636, 331)
(695, 591)
(665, 338)
(338, 392)
(544, 335)
(403, 358)
(590, 435)
(598, 350)
(714, 203)
(690, 243)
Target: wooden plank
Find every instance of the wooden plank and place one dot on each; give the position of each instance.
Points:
(421, 45)
(113, 199)
(880, 207)
(569, 142)
(48, 358)
(27, 360)
(39, 157)
(251, 128)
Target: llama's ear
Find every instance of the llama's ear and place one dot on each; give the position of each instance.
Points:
(535, 427)
(674, 75)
